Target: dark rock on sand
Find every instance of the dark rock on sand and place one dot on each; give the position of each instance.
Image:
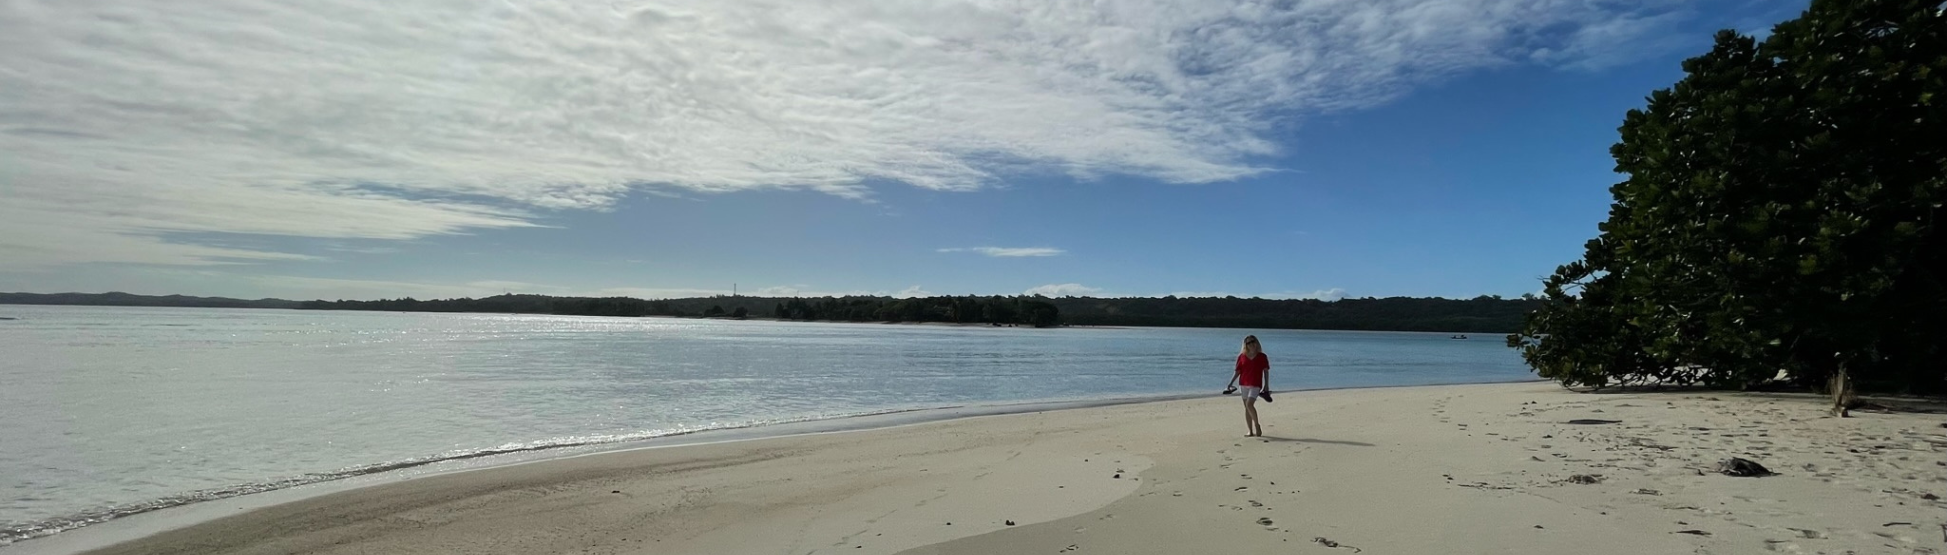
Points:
(1735, 466)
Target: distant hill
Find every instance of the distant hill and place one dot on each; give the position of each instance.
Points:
(1478, 315)
(118, 298)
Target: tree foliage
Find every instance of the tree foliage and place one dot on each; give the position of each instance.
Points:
(1780, 215)
(1484, 314)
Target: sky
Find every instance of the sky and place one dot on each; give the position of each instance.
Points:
(360, 149)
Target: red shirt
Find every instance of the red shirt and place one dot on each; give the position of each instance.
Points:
(1250, 372)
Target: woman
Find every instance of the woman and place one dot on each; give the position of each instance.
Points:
(1254, 375)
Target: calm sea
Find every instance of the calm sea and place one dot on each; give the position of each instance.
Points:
(110, 410)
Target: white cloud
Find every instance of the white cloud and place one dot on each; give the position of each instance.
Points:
(1595, 46)
(1064, 290)
(914, 291)
(809, 291)
(1332, 294)
(1010, 252)
(658, 292)
(780, 291)
(1200, 294)
(127, 127)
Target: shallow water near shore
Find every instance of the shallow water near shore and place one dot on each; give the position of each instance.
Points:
(117, 410)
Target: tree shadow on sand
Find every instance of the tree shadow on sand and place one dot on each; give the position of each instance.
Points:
(1867, 402)
(1309, 440)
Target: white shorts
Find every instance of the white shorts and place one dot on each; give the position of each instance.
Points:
(1251, 393)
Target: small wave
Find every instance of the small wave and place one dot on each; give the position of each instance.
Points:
(15, 533)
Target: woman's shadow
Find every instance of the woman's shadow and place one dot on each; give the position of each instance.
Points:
(1269, 439)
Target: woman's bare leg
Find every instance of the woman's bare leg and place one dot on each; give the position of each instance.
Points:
(1257, 428)
(1250, 418)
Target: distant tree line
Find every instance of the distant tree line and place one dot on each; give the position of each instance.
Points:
(531, 304)
(1028, 311)
(997, 310)
(1485, 314)
(118, 298)
(1781, 218)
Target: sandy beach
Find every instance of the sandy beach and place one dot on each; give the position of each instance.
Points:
(1447, 469)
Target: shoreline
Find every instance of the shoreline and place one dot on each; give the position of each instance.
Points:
(972, 465)
(177, 511)
(320, 483)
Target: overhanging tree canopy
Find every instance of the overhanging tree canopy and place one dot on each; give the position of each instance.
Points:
(1780, 215)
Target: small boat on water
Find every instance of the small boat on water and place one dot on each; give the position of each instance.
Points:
(1458, 337)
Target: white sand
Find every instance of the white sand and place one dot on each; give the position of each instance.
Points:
(1454, 469)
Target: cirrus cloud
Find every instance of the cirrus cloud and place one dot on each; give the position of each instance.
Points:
(127, 127)
(1063, 290)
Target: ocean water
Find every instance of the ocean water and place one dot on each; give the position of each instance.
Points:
(106, 411)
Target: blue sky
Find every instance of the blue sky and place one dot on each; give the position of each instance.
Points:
(362, 150)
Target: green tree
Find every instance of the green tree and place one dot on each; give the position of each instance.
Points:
(1040, 314)
(740, 313)
(1780, 214)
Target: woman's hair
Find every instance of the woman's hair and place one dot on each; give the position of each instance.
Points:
(1250, 340)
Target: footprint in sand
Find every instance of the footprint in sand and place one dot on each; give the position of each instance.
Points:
(1895, 537)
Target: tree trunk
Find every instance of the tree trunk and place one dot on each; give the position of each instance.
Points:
(1842, 395)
